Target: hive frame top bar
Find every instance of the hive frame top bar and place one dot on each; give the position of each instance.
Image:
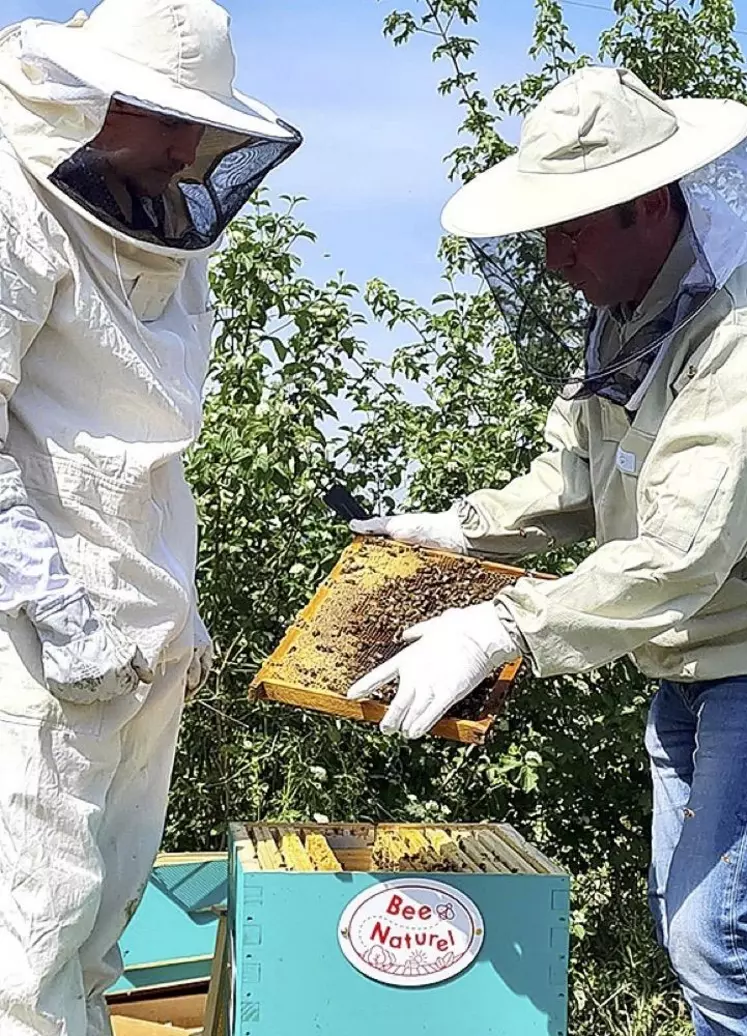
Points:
(490, 848)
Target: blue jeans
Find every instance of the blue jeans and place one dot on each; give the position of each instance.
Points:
(697, 740)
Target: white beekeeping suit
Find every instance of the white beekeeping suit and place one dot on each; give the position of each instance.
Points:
(105, 331)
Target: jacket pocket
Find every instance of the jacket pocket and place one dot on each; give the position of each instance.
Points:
(614, 422)
(632, 451)
(78, 481)
(679, 510)
(24, 699)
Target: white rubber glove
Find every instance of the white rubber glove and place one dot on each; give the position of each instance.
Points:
(85, 657)
(202, 661)
(441, 530)
(448, 657)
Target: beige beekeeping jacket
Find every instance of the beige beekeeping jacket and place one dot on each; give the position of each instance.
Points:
(664, 491)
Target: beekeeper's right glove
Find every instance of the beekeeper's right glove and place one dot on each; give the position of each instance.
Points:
(85, 657)
(447, 658)
(441, 530)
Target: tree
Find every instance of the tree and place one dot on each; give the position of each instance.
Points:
(293, 398)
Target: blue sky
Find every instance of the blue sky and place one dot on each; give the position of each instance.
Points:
(375, 128)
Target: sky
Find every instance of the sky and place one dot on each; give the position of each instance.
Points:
(375, 128)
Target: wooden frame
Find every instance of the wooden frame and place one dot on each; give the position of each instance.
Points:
(124, 1026)
(352, 842)
(268, 683)
(216, 1021)
(181, 1004)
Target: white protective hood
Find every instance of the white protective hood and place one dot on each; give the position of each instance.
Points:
(173, 57)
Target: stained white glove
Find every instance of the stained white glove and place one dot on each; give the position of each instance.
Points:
(85, 657)
(448, 657)
(202, 661)
(441, 530)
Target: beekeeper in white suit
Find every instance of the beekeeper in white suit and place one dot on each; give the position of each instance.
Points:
(124, 152)
(641, 205)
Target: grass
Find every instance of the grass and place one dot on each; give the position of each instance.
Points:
(621, 984)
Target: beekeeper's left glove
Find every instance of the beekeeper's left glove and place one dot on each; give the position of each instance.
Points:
(202, 661)
(441, 530)
(447, 658)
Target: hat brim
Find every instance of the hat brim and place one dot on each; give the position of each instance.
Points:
(504, 200)
(77, 53)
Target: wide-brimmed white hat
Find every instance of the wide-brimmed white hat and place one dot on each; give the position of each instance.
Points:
(597, 139)
(172, 55)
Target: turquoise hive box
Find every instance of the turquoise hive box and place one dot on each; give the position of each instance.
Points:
(171, 937)
(323, 954)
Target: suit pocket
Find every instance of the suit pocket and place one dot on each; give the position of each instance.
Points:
(632, 451)
(680, 507)
(78, 481)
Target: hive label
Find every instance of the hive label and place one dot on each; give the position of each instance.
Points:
(411, 932)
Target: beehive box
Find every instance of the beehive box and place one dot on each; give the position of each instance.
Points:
(171, 937)
(355, 620)
(355, 930)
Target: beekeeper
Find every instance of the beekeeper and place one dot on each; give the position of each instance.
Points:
(643, 207)
(124, 152)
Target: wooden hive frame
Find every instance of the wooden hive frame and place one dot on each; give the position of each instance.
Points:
(353, 844)
(270, 684)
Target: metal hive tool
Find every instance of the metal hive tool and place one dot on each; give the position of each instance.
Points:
(354, 622)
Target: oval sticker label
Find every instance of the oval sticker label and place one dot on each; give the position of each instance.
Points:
(411, 932)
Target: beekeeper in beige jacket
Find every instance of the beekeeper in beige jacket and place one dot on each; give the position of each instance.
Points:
(641, 205)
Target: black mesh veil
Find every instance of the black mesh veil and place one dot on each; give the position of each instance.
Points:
(545, 317)
(198, 204)
(562, 340)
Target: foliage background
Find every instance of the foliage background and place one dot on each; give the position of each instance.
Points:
(295, 398)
